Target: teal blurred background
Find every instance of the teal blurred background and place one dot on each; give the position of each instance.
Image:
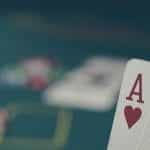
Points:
(70, 32)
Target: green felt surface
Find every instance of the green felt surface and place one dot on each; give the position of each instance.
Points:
(35, 126)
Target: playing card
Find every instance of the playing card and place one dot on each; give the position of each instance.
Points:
(92, 86)
(132, 111)
(145, 145)
(145, 142)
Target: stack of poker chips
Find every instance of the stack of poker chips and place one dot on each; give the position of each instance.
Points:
(36, 73)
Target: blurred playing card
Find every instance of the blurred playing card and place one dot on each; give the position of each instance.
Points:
(92, 86)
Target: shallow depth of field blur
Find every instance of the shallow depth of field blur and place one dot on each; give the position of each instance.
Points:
(61, 67)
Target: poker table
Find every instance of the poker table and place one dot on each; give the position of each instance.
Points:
(34, 125)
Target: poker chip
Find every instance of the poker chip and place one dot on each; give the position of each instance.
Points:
(40, 72)
(4, 116)
(35, 73)
(37, 83)
(13, 76)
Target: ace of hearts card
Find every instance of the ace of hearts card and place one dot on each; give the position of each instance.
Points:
(133, 109)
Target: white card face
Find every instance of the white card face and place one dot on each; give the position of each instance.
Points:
(132, 111)
(92, 86)
(145, 145)
(145, 142)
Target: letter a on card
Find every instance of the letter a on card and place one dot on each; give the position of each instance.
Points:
(132, 111)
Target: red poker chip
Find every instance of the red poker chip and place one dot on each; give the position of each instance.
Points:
(3, 120)
(37, 83)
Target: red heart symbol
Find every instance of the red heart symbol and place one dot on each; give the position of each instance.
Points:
(132, 115)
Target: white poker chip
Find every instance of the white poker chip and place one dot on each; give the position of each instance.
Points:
(13, 76)
(93, 86)
(37, 67)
